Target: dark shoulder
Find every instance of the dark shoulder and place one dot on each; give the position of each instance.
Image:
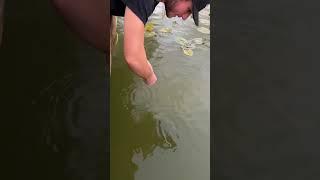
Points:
(142, 8)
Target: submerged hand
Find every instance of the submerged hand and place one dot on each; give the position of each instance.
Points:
(151, 80)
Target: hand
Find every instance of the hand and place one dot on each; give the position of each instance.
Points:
(151, 80)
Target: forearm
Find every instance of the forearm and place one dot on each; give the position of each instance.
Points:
(88, 19)
(134, 51)
(138, 63)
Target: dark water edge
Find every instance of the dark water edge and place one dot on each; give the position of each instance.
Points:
(55, 97)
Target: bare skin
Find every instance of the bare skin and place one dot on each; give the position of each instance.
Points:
(180, 8)
(134, 50)
(89, 19)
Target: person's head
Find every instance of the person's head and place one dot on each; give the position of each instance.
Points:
(184, 8)
(180, 8)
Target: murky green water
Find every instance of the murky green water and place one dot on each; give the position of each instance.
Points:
(162, 132)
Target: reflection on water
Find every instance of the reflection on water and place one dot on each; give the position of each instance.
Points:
(162, 132)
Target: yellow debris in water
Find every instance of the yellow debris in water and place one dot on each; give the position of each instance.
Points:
(205, 22)
(165, 30)
(203, 30)
(188, 52)
(182, 41)
(197, 41)
(149, 27)
(149, 34)
(117, 39)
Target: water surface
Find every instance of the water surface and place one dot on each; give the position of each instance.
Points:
(162, 132)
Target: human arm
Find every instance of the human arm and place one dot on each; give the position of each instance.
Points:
(134, 51)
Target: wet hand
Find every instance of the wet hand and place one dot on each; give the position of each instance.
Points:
(151, 80)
